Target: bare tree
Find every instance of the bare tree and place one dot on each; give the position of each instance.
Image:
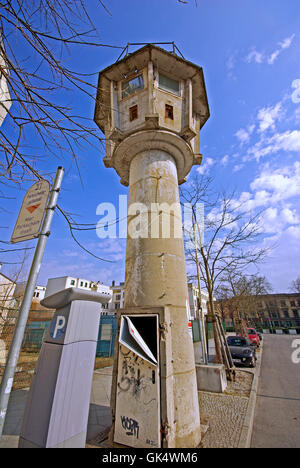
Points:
(37, 38)
(227, 239)
(238, 297)
(295, 285)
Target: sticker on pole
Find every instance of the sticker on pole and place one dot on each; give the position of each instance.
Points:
(30, 218)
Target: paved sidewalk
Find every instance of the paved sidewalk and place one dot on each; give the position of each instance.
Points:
(224, 413)
(228, 414)
(99, 415)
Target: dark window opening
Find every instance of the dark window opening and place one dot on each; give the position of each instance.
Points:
(133, 113)
(169, 112)
(147, 328)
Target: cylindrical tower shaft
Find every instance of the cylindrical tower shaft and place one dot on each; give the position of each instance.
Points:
(156, 276)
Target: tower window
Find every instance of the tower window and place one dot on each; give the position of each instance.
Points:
(133, 113)
(130, 87)
(168, 84)
(169, 112)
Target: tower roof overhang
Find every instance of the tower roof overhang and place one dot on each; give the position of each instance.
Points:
(165, 62)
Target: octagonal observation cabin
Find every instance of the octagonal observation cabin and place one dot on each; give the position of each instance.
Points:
(151, 89)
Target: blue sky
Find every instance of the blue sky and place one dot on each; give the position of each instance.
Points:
(249, 51)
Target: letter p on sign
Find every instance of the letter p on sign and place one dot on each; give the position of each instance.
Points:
(58, 327)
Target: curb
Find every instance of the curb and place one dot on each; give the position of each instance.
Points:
(247, 429)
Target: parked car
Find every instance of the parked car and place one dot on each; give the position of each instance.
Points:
(242, 349)
(259, 335)
(253, 336)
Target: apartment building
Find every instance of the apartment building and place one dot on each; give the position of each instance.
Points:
(278, 310)
(64, 282)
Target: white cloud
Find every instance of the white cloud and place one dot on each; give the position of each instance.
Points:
(285, 44)
(287, 141)
(296, 94)
(230, 64)
(273, 56)
(274, 189)
(224, 160)
(244, 135)
(260, 57)
(294, 231)
(268, 115)
(254, 56)
(282, 184)
(238, 167)
(277, 220)
(205, 167)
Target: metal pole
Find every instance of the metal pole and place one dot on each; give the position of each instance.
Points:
(14, 351)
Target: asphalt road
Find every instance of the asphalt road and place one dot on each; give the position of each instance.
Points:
(277, 415)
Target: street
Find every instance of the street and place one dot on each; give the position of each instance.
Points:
(277, 416)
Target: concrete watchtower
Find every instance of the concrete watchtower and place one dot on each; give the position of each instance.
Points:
(151, 106)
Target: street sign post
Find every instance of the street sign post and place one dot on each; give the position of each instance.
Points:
(22, 232)
(31, 213)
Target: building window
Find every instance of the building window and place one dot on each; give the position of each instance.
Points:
(118, 297)
(72, 282)
(81, 283)
(283, 303)
(85, 285)
(293, 303)
(168, 84)
(131, 86)
(169, 112)
(286, 313)
(133, 113)
(37, 294)
(296, 313)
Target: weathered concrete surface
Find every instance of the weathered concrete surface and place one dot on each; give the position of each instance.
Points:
(152, 141)
(156, 276)
(277, 417)
(211, 377)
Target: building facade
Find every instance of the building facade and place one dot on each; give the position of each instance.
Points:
(193, 291)
(270, 311)
(5, 98)
(117, 300)
(64, 282)
(278, 311)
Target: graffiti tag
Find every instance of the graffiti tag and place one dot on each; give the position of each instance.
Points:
(131, 426)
